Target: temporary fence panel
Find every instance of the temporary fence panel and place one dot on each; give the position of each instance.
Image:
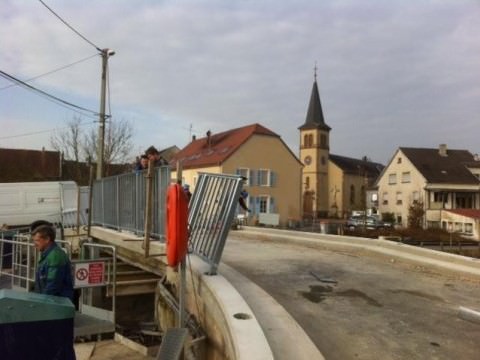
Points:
(211, 212)
(119, 201)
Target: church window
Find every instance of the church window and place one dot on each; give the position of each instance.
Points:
(323, 160)
(323, 141)
(305, 140)
(310, 140)
(307, 182)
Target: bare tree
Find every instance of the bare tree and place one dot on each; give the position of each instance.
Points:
(68, 140)
(118, 142)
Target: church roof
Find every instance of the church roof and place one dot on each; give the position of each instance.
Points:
(315, 119)
(357, 166)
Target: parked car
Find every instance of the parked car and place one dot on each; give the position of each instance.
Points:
(369, 222)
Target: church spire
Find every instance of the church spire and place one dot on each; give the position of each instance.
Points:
(315, 118)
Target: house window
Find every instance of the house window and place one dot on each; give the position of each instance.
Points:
(263, 177)
(469, 228)
(244, 173)
(399, 219)
(439, 197)
(374, 197)
(399, 198)
(464, 200)
(458, 227)
(406, 177)
(385, 198)
(263, 200)
(352, 194)
(392, 179)
(416, 196)
(399, 160)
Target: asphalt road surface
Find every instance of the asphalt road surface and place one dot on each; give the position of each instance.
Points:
(357, 306)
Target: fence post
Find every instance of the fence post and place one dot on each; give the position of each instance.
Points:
(90, 201)
(148, 209)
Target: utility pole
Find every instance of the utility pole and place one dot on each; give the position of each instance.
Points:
(106, 53)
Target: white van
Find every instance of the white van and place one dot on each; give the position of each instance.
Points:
(23, 203)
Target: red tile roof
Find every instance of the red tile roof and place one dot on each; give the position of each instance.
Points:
(201, 153)
(471, 213)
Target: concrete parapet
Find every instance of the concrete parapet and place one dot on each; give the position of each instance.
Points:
(232, 329)
(425, 257)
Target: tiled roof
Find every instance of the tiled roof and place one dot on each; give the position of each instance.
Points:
(202, 153)
(442, 169)
(18, 165)
(357, 166)
(471, 213)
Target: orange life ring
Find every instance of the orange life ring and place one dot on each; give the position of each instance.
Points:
(177, 225)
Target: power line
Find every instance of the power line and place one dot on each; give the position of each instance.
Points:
(40, 132)
(51, 72)
(70, 27)
(53, 98)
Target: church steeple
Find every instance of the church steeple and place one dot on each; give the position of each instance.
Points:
(315, 118)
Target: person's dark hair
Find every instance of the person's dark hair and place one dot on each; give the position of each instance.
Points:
(144, 156)
(38, 223)
(152, 150)
(45, 231)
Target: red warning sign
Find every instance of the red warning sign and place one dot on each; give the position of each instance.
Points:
(95, 273)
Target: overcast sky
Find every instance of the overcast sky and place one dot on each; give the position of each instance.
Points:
(390, 73)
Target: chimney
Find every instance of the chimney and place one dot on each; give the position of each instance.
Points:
(442, 150)
(476, 157)
(194, 138)
(209, 138)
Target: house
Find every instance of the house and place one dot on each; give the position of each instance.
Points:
(273, 172)
(444, 181)
(332, 185)
(463, 221)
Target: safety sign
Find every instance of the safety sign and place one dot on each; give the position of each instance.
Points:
(88, 274)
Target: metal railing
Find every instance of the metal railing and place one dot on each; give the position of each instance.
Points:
(119, 202)
(19, 259)
(211, 212)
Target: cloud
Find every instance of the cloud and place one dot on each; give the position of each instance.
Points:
(390, 73)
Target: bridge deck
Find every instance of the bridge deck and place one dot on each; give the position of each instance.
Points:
(367, 306)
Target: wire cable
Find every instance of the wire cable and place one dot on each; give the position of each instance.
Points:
(52, 71)
(70, 27)
(53, 98)
(41, 131)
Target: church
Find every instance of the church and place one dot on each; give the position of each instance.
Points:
(332, 185)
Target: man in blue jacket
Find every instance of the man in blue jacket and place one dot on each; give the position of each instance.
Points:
(54, 274)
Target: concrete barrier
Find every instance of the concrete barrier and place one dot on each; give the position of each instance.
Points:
(232, 329)
(460, 265)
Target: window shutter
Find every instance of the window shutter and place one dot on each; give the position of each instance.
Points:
(272, 205)
(251, 203)
(257, 205)
(252, 178)
(273, 178)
